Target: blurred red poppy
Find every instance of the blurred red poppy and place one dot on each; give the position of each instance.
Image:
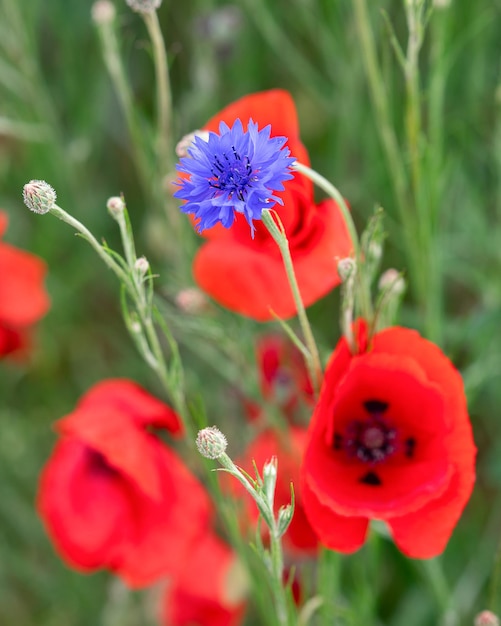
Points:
(289, 448)
(23, 299)
(246, 274)
(113, 495)
(390, 439)
(210, 590)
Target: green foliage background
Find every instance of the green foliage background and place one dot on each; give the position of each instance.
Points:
(60, 121)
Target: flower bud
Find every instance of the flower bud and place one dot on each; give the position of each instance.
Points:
(115, 206)
(144, 6)
(392, 282)
(211, 442)
(191, 300)
(270, 480)
(285, 515)
(142, 266)
(39, 196)
(187, 140)
(103, 12)
(346, 267)
(486, 618)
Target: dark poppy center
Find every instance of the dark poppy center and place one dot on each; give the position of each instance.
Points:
(232, 173)
(370, 441)
(98, 464)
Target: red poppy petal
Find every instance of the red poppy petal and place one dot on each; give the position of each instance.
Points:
(275, 107)
(425, 533)
(345, 534)
(85, 510)
(168, 529)
(4, 220)
(251, 280)
(23, 299)
(125, 447)
(132, 400)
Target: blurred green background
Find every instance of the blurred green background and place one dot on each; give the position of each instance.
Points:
(60, 121)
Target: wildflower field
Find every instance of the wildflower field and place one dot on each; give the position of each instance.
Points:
(251, 374)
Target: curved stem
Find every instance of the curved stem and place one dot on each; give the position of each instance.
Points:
(313, 359)
(334, 193)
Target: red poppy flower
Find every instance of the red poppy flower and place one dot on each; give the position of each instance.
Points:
(23, 299)
(113, 495)
(246, 274)
(210, 590)
(284, 378)
(289, 448)
(390, 439)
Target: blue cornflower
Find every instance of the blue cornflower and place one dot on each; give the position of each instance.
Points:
(233, 171)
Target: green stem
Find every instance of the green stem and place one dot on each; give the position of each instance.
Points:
(435, 577)
(89, 237)
(118, 77)
(164, 96)
(313, 360)
(334, 193)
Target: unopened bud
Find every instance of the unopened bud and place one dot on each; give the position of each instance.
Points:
(187, 141)
(211, 442)
(346, 267)
(270, 480)
(191, 300)
(375, 250)
(103, 12)
(39, 196)
(486, 618)
(115, 206)
(392, 282)
(285, 515)
(142, 266)
(144, 6)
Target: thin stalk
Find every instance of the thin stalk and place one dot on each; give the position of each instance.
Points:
(89, 237)
(118, 77)
(334, 193)
(313, 359)
(164, 96)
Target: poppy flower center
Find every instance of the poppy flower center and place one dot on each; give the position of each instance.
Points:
(370, 441)
(98, 463)
(232, 174)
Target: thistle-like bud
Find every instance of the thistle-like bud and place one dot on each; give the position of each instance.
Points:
(345, 268)
(211, 442)
(115, 206)
(187, 140)
(392, 282)
(142, 266)
(191, 300)
(39, 196)
(103, 12)
(144, 6)
(486, 618)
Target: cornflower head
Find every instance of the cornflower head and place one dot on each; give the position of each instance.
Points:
(235, 171)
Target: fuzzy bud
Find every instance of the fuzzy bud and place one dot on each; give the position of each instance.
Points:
(142, 266)
(345, 268)
(187, 140)
(144, 6)
(39, 196)
(191, 300)
(211, 442)
(115, 206)
(392, 281)
(486, 618)
(103, 12)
